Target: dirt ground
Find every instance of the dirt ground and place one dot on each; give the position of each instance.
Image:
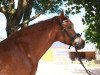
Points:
(47, 68)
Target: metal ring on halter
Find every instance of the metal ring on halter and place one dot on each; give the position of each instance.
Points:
(72, 38)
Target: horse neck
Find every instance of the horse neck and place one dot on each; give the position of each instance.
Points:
(40, 40)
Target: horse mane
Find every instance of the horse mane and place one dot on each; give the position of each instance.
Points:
(41, 25)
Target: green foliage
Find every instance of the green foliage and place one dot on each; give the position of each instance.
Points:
(91, 18)
(44, 5)
(0, 1)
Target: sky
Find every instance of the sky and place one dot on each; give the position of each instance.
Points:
(2, 26)
(76, 19)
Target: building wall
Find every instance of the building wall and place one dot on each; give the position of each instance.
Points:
(90, 55)
(83, 55)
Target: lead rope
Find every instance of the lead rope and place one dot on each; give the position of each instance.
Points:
(87, 71)
(78, 55)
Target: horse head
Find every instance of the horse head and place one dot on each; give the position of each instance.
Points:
(67, 34)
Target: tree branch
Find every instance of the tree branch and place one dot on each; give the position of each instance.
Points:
(11, 6)
(2, 10)
(32, 18)
(37, 15)
(19, 12)
(27, 12)
(4, 6)
(24, 10)
(5, 3)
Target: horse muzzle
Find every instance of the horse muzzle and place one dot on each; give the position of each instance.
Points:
(79, 43)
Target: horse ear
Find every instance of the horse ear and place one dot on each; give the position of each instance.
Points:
(62, 14)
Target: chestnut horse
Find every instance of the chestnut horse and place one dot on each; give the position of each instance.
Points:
(21, 52)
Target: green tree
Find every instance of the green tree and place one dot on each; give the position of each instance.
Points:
(91, 18)
(20, 17)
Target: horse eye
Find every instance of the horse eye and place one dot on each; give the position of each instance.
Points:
(69, 27)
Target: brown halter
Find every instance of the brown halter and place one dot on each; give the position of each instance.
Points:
(72, 38)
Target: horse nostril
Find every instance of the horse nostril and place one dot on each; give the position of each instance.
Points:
(79, 44)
